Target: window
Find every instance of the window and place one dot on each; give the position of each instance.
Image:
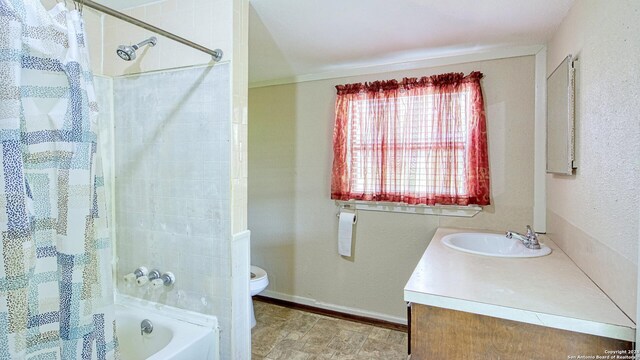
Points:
(419, 141)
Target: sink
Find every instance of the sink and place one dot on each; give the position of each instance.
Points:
(492, 245)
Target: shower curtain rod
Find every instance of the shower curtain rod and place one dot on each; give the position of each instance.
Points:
(215, 54)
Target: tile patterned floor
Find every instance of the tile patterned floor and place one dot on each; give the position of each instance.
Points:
(283, 333)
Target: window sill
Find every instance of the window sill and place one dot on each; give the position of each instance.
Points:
(442, 210)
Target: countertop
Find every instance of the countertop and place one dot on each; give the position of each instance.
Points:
(549, 291)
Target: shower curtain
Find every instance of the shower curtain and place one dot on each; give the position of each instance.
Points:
(56, 299)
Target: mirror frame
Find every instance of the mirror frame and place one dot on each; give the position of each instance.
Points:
(565, 116)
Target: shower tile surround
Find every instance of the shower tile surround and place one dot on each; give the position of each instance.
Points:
(214, 24)
(172, 186)
(104, 96)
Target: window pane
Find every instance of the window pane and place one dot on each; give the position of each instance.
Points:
(420, 153)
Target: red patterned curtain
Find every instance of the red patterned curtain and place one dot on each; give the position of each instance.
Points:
(417, 141)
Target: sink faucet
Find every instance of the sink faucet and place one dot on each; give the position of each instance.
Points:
(530, 239)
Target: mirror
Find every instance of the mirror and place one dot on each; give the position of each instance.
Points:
(561, 118)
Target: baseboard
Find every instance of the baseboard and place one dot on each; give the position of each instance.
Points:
(332, 310)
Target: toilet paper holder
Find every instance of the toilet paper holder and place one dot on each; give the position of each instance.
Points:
(347, 207)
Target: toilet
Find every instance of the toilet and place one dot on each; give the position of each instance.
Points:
(259, 282)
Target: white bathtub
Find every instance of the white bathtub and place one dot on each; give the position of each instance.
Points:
(177, 334)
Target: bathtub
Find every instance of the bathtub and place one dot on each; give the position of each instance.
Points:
(177, 334)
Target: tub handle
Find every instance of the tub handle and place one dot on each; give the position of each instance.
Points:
(168, 278)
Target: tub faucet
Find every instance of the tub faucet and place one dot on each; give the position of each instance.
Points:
(146, 327)
(530, 239)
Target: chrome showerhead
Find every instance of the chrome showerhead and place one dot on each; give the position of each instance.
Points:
(128, 52)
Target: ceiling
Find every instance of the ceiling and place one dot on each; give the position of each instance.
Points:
(293, 38)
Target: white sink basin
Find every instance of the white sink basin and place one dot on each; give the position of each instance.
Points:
(492, 245)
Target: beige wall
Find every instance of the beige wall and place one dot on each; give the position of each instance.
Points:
(205, 22)
(592, 215)
(210, 23)
(293, 221)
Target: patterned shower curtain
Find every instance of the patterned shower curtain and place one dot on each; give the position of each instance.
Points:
(56, 299)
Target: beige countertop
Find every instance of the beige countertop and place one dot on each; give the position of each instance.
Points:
(548, 291)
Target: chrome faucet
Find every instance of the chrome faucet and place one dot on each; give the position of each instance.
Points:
(530, 239)
(146, 327)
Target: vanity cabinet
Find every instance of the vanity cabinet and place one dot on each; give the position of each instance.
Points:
(468, 306)
(438, 333)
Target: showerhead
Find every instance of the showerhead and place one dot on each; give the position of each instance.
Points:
(128, 52)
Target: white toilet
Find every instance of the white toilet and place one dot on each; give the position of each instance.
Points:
(259, 282)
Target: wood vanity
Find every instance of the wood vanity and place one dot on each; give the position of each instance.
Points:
(465, 306)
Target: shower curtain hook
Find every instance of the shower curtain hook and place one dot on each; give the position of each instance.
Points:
(77, 4)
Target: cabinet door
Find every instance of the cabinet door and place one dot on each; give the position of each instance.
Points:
(438, 333)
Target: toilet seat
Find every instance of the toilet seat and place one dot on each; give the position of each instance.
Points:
(258, 282)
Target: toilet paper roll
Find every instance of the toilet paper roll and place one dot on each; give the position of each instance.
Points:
(345, 232)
